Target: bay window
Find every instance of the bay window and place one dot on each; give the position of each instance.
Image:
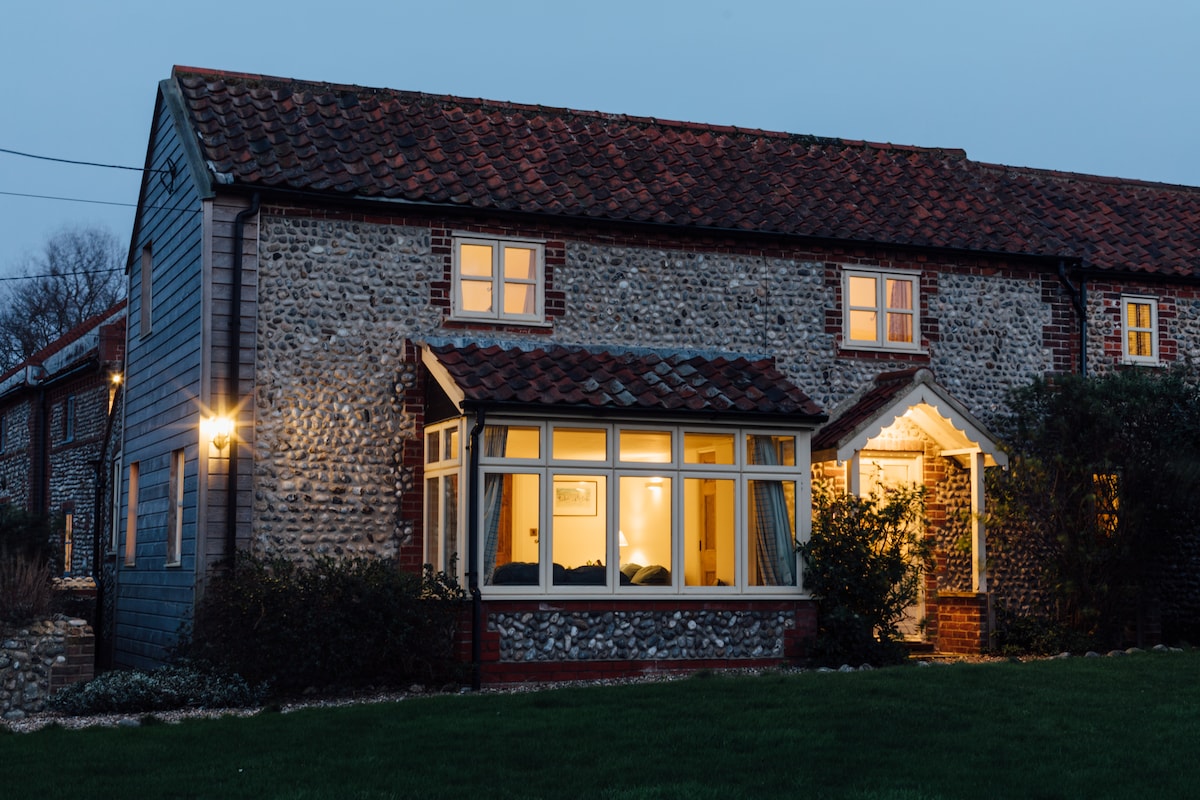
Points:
(625, 509)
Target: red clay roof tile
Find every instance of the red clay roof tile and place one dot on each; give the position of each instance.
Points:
(623, 381)
(277, 132)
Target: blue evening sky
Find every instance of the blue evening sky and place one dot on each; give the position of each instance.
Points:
(1094, 86)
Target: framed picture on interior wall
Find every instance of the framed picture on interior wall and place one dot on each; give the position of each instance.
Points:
(574, 498)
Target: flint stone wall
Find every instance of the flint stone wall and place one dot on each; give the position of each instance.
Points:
(621, 635)
(38, 660)
(337, 300)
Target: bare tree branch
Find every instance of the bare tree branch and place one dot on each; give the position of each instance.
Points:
(78, 275)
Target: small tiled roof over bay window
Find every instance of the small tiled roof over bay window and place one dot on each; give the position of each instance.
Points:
(617, 474)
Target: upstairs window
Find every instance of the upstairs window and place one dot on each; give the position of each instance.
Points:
(69, 419)
(1140, 340)
(881, 310)
(499, 280)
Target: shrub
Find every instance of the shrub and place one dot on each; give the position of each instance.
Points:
(332, 624)
(26, 556)
(863, 563)
(176, 686)
(25, 589)
(1102, 478)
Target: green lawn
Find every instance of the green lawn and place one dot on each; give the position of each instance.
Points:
(1095, 728)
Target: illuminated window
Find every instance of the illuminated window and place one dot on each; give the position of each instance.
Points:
(881, 310)
(649, 518)
(132, 517)
(68, 538)
(175, 510)
(1140, 340)
(1106, 497)
(500, 280)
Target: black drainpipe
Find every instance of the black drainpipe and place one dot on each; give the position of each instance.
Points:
(232, 394)
(473, 549)
(1079, 301)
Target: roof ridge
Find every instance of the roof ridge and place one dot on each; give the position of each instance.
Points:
(485, 104)
(1087, 177)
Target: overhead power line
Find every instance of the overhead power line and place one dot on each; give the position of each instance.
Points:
(68, 199)
(62, 274)
(85, 163)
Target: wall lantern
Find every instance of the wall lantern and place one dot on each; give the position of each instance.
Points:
(218, 430)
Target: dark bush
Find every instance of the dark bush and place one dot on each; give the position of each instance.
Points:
(333, 624)
(171, 687)
(863, 563)
(26, 571)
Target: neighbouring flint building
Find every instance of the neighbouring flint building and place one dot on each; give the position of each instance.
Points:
(56, 413)
(593, 363)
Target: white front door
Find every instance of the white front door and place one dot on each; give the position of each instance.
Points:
(892, 471)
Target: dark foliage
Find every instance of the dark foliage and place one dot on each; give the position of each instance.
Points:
(863, 563)
(26, 558)
(1105, 473)
(170, 687)
(334, 624)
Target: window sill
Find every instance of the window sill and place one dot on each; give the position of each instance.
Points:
(870, 351)
(501, 322)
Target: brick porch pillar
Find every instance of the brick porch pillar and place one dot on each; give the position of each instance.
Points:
(962, 619)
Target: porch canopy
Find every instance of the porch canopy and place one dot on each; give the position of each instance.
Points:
(915, 396)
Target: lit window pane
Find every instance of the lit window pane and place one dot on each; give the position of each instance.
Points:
(475, 260)
(767, 450)
(644, 533)
(519, 263)
(708, 524)
(431, 447)
(476, 296)
(899, 328)
(771, 524)
(575, 444)
(1139, 315)
(519, 298)
(899, 295)
(646, 447)
(863, 326)
(862, 291)
(451, 442)
(708, 448)
(1139, 344)
(509, 441)
(511, 529)
(580, 530)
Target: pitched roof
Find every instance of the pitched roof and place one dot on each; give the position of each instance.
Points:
(64, 345)
(583, 379)
(913, 393)
(278, 133)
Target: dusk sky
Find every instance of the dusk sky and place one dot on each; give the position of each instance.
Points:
(1099, 87)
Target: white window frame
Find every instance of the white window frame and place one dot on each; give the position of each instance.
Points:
(880, 342)
(497, 314)
(741, 472)
(1126, 328)
(439, 468)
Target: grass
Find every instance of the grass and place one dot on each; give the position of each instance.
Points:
(1111, 728)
